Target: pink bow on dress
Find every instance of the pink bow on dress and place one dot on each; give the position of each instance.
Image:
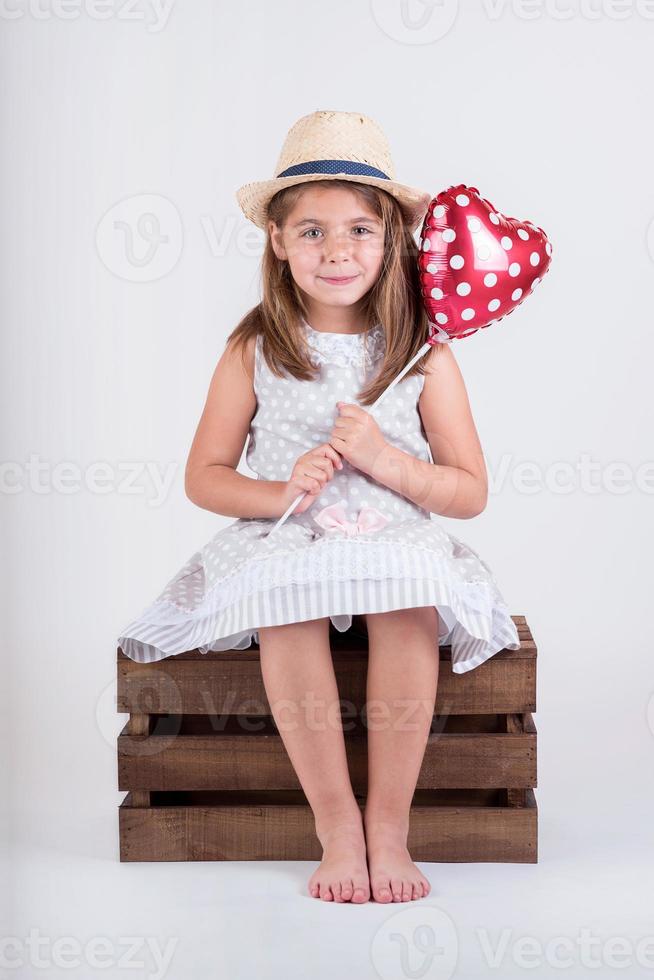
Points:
(334, 518)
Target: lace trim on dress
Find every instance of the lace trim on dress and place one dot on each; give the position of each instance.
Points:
(361, 349)
(474, 604)
(329, 560)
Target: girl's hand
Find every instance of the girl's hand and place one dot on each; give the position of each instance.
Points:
(312, 471)
(357, 437)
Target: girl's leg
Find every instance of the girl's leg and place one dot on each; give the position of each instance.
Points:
(298, 674)
(403, 659)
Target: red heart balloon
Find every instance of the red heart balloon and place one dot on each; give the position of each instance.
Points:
(476, 265)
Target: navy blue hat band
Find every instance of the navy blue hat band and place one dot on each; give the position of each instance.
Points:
(333, 167)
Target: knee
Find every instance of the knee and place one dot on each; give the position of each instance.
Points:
(404, 620)
(305, 631)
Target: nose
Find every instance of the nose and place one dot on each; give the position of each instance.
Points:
(338, 247)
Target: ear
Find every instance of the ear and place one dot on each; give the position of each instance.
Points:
(275, 234)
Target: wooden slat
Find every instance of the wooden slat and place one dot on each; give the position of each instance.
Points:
(450, 827)
(187, 753)
(175, 686)
(230, 682)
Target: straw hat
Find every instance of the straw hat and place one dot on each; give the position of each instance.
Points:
(331, 145)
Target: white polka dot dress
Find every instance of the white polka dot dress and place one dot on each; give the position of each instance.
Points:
(359, 547)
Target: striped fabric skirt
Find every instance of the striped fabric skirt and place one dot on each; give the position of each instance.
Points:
(242, 580)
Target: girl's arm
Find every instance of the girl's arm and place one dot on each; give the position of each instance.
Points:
(456, 485)
(211, 480)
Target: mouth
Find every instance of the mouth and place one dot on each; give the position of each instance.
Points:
(338, 280)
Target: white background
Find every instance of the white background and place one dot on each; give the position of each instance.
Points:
(546, 108)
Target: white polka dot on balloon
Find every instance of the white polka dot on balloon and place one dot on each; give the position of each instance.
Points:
(457, 262)
(483, 253)
(490, 279)
(463, 288)
(506, 242)
(441, 318)
(494, 305)
(534, 258)
(431, 268)
(548, 248)
(449, 235)
(523, 234)
(516, 294)
(474, 225)
(514, 269)
(426, 245)
(493, 217)
(439, 211)
(437, 293)
(463, 200)
(535, 282)
(467, 314)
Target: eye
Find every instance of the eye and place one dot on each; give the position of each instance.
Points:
(307, 233)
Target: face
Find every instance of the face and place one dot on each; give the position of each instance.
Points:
(334, 245)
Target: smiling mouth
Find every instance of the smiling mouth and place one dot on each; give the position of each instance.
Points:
(338, 280)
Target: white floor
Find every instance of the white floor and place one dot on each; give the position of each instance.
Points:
(581, 911)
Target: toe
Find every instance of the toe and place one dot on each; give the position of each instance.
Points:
(337, 891)
(314, 886)
(360, 894)
(326, 893)
(347, 888)
(382, 891)
(407, 891)
(417, 890)
(396, 888)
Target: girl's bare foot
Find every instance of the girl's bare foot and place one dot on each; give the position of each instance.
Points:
(343, 874)
(393, 875)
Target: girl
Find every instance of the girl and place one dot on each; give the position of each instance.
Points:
(341, 314)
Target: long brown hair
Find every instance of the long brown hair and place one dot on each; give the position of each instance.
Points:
(394, 300)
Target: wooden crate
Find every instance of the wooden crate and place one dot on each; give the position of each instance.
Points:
(208, 778)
